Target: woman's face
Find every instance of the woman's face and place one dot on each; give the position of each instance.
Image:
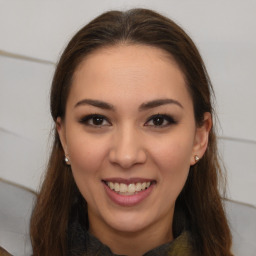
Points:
(130, 135)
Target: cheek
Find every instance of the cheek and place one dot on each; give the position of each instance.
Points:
(172, 158)
(87, 154)
(87, 159)
(173, 151)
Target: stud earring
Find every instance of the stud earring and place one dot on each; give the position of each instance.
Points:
(196, 157)
(66, 160)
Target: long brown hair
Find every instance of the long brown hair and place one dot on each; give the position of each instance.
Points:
(199, 199)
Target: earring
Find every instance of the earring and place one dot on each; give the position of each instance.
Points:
(66, 160)
(196, 157)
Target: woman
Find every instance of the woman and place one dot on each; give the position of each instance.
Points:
(134, 167)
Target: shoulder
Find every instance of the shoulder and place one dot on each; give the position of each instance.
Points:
(182, 245)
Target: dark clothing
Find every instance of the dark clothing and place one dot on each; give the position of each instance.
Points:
(82, 243)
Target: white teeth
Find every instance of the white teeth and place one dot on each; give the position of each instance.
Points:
(111, 185)
(117, 187)
(138, 187)
(123, 188)
(130, 189)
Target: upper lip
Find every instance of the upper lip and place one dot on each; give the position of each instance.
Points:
(128, 181)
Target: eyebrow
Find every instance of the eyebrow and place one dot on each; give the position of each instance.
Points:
(157, 103)
(142, 107)
(95, 103)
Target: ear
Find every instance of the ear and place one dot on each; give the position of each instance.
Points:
(201, 138)
(60, 127)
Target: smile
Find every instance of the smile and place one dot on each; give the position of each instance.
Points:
(128, 189)
(128, 192)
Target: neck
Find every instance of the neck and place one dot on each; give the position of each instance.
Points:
(134, 243)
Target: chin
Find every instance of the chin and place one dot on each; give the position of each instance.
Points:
(129, 222)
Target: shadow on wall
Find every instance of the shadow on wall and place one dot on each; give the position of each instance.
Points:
(17, 202)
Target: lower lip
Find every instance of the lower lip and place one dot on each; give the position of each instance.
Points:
(130, 200)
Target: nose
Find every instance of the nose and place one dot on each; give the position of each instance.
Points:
(127, 149)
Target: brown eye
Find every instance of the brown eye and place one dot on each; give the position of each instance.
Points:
(95, 120)
(98, 120)
(160, 120)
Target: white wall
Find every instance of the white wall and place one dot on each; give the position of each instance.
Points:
(223, 30)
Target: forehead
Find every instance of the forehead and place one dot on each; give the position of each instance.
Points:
(127, 56)
(132, 72)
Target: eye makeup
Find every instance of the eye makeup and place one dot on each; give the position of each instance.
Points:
(155, 121)
(96, 120)
(160, 121)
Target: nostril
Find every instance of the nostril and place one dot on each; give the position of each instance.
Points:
(127, 150)
(126, 160)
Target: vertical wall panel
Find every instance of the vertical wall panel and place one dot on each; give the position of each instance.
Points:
(24, 120)
(239, 158)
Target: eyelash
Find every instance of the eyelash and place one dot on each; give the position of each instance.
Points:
(89, 120)
(164, 118)
(93, 117)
